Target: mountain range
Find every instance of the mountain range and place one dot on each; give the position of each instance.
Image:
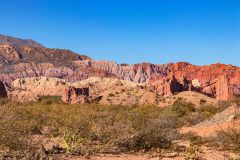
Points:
(26, 58)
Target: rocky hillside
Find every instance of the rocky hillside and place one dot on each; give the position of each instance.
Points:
(8, 40)
(105, 91)
(26, 58)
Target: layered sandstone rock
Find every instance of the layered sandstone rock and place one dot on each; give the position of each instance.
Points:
(139, 73)
(30, 89)
(170, 86)
(76, 95)
(115, 91)
(21, 59)
(219, 88)
(8, 54)
(167, 86)
(206, 75)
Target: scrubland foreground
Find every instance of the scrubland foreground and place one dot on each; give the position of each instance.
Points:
(51, 129)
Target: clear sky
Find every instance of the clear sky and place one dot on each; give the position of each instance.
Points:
(131, 31)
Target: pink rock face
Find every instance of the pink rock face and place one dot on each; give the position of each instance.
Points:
(8, 54)
(219, 88)
(75, 95)
(139, 73)
(31, 89)
(18, 61)
(168, 86)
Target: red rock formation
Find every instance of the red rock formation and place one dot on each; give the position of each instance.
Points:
(219, 88)
(170, 85)
(218, 80)
(76, 95)
(30, 89)
(26, 60)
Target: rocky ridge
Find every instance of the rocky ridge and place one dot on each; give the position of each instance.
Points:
(31, 89)
(20, 59)
(18, 42)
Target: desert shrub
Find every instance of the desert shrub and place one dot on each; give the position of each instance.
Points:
(17, 124)
(157, 135)
(202, 101)
(74, 143)
(109, 100)
(111, 95)
(189, 115)
(153, 128)
(192, 119)
(222, 105)
(208, 110)
(194, 139)
(180, 98)
(236, 100)
(230, 139)
(181, 107)
(89, 128)
(15, 131)
(48, 100)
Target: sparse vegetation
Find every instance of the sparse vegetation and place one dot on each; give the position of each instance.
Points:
(92, 128)
(229, 139)
(236, 100)
(85, 129)
(181, 107)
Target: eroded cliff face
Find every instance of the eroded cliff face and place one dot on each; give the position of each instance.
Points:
(139, 73)
(219, 88)
(19, 61)
(217, 80)
(170, 85)
(25, 61)
(31, 89)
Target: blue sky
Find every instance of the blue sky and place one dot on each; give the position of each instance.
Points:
(131, 31)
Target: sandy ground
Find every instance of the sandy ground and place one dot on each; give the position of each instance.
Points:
(204, 154)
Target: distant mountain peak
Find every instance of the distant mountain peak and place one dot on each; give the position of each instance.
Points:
(8, 40)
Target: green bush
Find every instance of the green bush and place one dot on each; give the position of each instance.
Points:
(74, 143)
(88, 128)
(194, 139)
(182, 108)
(208, 110)
(157, 135)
